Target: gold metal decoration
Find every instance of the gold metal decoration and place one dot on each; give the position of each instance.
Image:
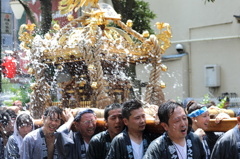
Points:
(89, 40)
(162, 84)
(56, 27)
(129, 23)
(70, 17)
(94, 85)
(145, 34)
(163, 67)
(65, 6)
(90, 67)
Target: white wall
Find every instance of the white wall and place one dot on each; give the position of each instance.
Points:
(210, 34)
(176, 78)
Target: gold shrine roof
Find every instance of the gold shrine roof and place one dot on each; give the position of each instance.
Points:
(122, 44)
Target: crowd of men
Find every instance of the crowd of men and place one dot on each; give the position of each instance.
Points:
(125, 136)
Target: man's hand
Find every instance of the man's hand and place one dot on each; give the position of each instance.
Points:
(200, 132)
(220, 117)
(68, 114)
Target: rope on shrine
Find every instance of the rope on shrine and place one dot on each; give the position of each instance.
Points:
(154, 94)
(91, 51)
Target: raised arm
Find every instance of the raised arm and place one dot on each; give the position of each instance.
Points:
(68, 115)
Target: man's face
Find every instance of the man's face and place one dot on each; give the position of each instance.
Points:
(177, 125)
(136, 121)
(51, 123)
(115, 122)
(87, 125)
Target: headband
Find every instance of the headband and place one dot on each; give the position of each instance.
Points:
(79, 115)
(198, 112)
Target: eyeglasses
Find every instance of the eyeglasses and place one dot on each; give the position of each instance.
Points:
(88, 122)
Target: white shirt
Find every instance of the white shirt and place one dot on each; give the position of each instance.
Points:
(86, 145)
(137, 150)
(181, 150)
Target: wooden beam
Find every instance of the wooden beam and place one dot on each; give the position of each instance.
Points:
(223, 126)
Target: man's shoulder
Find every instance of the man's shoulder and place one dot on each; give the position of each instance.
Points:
(100, 135)
(192, 135)
(228, 136)
(158, 145)
(194, 138)
(32, 134)
(120, 137)
(100, 139)
(159, 140)
(11, 140)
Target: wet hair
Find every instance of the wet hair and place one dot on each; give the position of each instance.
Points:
(129, 106)
(51, 111)
(80, 114)
(193, 105)
(186, 100)
(189, 124)
(166, 110)
(23, 120)
(4, 118)
(11, 113)
(111, 107)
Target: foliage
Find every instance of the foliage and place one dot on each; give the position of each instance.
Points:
(6, 84)
(142, 17)
(179, 100)
(8, 103)
(21, 93)
(206, 99)
(136, 10)
(222, 102)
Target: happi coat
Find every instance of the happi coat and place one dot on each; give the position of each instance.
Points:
(99, 146)
(205, 145)
(121, 147)
(34, 146)
(228, 146)
(162, 147)
(71, 144)
(212, 137)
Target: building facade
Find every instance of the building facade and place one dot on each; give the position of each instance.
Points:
(209, 33)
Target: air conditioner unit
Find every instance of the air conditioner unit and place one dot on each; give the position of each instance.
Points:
(212, 75)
